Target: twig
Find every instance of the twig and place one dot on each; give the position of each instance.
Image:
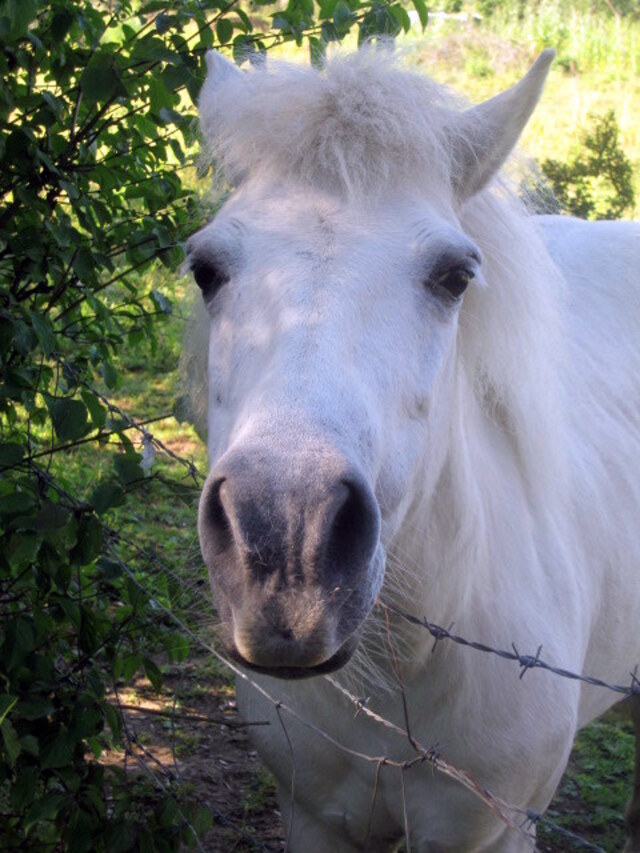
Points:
(193, 718)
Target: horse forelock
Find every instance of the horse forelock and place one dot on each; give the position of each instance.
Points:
(357, 127)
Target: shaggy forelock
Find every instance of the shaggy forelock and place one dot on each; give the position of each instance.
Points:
(360, 125)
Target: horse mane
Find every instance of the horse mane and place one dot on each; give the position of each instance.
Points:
(364, 124)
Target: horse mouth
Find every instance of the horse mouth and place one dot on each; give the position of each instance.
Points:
(293, 673)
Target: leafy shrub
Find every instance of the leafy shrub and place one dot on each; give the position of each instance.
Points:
(96, 136)
(596, 183)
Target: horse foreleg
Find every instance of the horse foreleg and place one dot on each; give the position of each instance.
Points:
(632, 816)
(307, 833)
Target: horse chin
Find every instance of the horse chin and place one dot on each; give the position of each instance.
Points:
(294, 673)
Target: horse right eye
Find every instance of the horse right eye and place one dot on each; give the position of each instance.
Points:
(208, 276)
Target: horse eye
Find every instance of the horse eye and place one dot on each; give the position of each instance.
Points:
(208, 276)
(454, 281)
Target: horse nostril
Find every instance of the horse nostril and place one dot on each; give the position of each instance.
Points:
(215, 517)
(352, 534)
(285, 633)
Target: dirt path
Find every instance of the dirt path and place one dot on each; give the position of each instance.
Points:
(192, 732)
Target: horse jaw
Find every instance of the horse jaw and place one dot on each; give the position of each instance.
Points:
(484, 136)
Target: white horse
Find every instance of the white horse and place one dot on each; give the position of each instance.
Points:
(422, 396)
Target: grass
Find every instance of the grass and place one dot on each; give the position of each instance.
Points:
(596, 786)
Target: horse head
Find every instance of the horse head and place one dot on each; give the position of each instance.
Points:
(333, 277)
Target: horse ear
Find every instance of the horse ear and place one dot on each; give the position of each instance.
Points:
(222, 76)
(486, 134)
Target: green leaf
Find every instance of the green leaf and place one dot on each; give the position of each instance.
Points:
(96, 409)
(128, 467)
(159, 96)
(224, 30)
(85, 723)
(161, 302)
(317, 52)
(343, 15)
(84, 264)
(59, 752)
(10, 454)
(106, 496)
(91, 631)
(35, 709)
(129, 665)
(20, 14)
(177, 647)
(114, 719)
(7, 333)
(44, 332)
(423, 13)
(61, 23)
(23, 548)
(7, 702)
(89, 541)
(51, 516)
(20, 640)
(110, 375)
(30, 745)
(69, 417)
(24, 788)
(71, 610)
(43, 810)
(110, 568)
(100, 80)
(401, 16)
(11, 742)
(120, 837)
(153, 673)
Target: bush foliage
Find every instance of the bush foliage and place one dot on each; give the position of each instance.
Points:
(597, 181)
(96, 134)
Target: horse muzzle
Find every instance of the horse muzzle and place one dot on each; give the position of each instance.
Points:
(292, 544)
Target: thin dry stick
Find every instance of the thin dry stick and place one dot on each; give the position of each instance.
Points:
(376, 783)
(404, 811)
(194, 718)
(173, 738)
(403, 695)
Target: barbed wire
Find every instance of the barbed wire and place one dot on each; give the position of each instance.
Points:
(526, 662)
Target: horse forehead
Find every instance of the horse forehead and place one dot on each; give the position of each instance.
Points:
(322, 228)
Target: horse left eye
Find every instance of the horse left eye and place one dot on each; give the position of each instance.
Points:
(209, 277)
(454, 281)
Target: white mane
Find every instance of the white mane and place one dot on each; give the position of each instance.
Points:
(364, 124)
